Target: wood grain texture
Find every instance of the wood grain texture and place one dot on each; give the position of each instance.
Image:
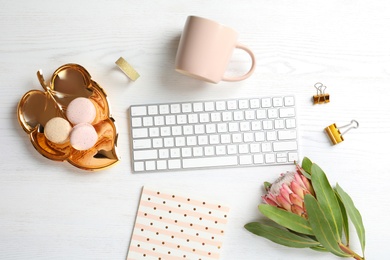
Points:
(51, 210)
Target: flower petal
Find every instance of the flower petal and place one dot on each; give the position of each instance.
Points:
(308, 185)
(296, 200)
(283, 202)
(298, 179)
(297, 189)
(299, 211)
(269, 201)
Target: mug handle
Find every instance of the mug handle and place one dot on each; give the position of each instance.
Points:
(252, 69)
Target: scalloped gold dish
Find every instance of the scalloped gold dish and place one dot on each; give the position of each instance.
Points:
(37, 107)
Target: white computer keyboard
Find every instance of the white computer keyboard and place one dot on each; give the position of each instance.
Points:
(218, 133)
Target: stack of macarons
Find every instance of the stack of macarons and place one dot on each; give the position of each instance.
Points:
(81, 112)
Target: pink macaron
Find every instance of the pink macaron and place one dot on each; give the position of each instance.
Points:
(81, 110)
(83, 137)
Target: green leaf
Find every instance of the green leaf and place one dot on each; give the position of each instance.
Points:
(354, 215)
(319, 248)
(306, 165)
(327, 199)
(345, 218)
(280, 236)
(323, 230)
(267, 185)
(286, 219)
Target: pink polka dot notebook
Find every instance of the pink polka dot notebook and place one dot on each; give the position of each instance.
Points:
(173, 226)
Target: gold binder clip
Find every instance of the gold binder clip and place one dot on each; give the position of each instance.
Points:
(321, 97)
(334, 133)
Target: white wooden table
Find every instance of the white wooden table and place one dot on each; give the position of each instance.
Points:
(51, 210)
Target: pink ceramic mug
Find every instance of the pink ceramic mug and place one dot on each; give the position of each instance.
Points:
(205, 50)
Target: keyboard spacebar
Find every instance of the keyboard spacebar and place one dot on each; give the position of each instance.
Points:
(210, 161)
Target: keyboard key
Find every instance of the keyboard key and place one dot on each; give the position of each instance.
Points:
(232, 104)
(289, 101)
(243, 148)
(238, 115)
(158, 120)
(259, 136)
(287, 112)
(138, 111)
(170, 120)
(163, 153)
(181, 119)
(270, 158)
(215, 117)
(290, 123)
(279, 124)
(277, 102)
(204, 118)
(157, 142)
(197, 151)
(175, 152)
(175, 108)
(161, 165)
(245, 159)
(152, 110)
(145, 155)
(227, 116)
(198, 107)
(199, 129)
(232, 149)
(176, 130)
(136, 121)
(233, 127)
(169, 142)
(209, 106)
(142, 143)
(222, 128)
(243, 104)
(193, 118)
(266, 102)
(188, 130)
(258, 159)
(249, 114)
(140, 132)
(220, 105)
(139, 166)
(164, 109)
(220, 150)
(154, 132)
(150, 165)
(254, 103)
(285, 146)
(292, 157)
(148, 121)
(211, 128)
(287, 134)
(186, 108)
(261, 114)
(210, 161)
(255, 148)
(180, 141)
(174, 164)
(186, 152)
(272, 113)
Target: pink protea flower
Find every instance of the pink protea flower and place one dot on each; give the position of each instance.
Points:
(288, 192)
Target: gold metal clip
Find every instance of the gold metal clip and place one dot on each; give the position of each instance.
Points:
(334, 133)
(321, 96)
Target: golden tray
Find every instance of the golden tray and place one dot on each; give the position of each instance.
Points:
(37, 107)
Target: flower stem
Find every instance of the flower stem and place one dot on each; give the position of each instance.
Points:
(349, 251)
